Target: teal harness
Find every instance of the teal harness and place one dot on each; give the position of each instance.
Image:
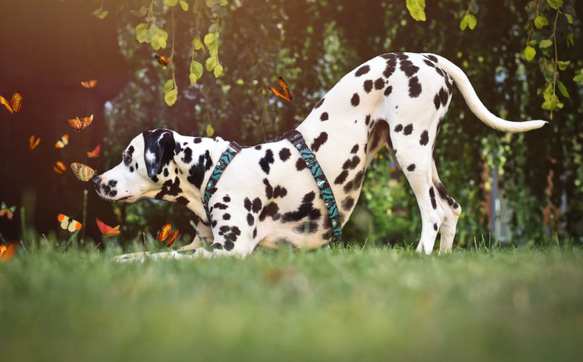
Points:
(297, 140)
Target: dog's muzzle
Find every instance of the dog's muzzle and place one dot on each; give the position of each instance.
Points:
(105, 190)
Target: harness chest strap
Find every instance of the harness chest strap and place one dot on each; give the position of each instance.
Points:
(297, 140)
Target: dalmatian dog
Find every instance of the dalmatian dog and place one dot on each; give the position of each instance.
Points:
(268, 195)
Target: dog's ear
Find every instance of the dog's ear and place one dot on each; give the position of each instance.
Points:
(159, 147)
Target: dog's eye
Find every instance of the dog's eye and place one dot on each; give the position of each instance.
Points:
(127, 159)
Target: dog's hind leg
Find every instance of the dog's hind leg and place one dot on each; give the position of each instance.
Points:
(414, 155)
(452, 211)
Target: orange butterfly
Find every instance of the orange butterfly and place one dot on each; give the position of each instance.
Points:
(68, 223)
(83, 172)
(80, 124)
(94, 153)
(7, 211)
(283, 92)
(15, 104)
(33, 142)
(60, 168)
(107, 230)
(62, 142)
(165, 232)
(162, 60)
(89, 83)
(7, 252)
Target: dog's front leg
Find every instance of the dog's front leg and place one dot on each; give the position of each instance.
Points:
(203, 233)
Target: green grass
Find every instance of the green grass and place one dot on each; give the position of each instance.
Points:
(330, 304)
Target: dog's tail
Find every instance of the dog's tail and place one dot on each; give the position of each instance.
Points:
(477, 107)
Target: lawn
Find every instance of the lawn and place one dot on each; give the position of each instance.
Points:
(330, 304)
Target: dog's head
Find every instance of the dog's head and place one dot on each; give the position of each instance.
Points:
(145, 170)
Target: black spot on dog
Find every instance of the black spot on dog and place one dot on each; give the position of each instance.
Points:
(256, 207)
(270, 210)
(424, 138)
(341, 178)
(182, 200)
(268, 189)
(250, 219)
(429, 63)
(220, 206)
(166, 173)
(279, 191)
(408, 68)
(408, 129)
(197, 170)
(229, 245)
(284, 154)
(187, 155)
(362, 70)
(355, 100)
(247, 204)
(388, 91)
(414, 87)
(437, 101)
(379, 84)
(305, 210)
(324, 116)
(367, 119)
(217, 246)
(367, 85)
(319, 103)
(171, 188)
(443, 96)
(432, 197)
(354, 148)
(227, 198)
(266, 161)
(197, 140)
(300, 164)
(319, 141)
(398, 128)
(440, 71)
(227, 217)
(351, 164)
(348, 203)
(411, 167)
(431, 57)
(435, 226)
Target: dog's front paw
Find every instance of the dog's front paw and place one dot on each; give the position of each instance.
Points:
(139, 257)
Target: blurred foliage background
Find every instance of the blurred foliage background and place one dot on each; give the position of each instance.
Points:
(524, 59)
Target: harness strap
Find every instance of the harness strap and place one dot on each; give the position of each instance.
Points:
(224, 161)
(326, 193)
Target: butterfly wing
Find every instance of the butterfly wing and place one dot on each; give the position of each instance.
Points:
(284, 89)
(107, 230)
(6, 104)
(33, 142)
(279, 94)
(16, 101)
(86, 121)
(82, 171)
(68, 223)
(62, 142)
(94, 153)
(164, 232)
(172, 238)
(7, 252)
(162, 59)
(76, 124)
(89, 83)
(60, 167)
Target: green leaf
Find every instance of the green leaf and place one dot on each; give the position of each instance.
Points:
(168, 85)
(210, 131)
(417, 9)
(468, 20)
(184, 5)
(211, 62)
(198, 44)
(171, 97)
(529, 53)
(563, 89)
(218, 70)
(569, 18)
(555, 4)
(193, 78)
(196, 68)
(563, 65)
(579, 77)
(100, 13)
(540, 21)
(545, 43)
(170, 2)
(141, 31)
